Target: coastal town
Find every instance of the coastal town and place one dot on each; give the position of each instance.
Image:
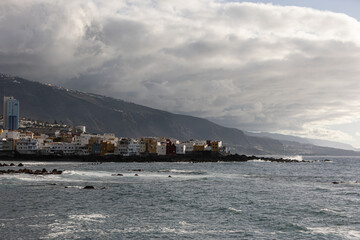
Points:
(31, 137)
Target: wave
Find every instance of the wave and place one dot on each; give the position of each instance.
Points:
(331, 211)
(258, 160)
(343, 232)
(289, 157)
(76, 187)
(235, 210)
(87, 173)
(179, 231)
(183, 171)
(296, 157)
(48, 163)
(89, 217)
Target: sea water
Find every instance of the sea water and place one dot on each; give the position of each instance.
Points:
(247, 200)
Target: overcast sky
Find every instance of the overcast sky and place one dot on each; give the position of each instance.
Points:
(255, 65)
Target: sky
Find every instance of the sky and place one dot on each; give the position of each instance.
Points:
(287, 67)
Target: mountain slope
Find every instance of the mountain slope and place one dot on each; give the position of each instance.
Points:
(317, 142)
(108, 115)
(104, 114)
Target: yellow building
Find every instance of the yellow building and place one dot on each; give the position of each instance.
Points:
(199, 147)
(151, 144)
(106, 147)
(215, 146)
(142, 146)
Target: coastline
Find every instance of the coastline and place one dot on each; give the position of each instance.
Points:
(195, 158)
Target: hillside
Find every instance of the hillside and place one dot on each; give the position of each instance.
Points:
(318, 142)
(104, 114)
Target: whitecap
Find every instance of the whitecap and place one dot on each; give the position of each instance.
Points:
(331, 211)
(180, 171)
(344, 232)
(183, 223)
(180, 231)
(48, 163)
(287, 157)
(235, 210)
(77, 187)
(89, 217)
(88, 173)
(297, 157)
(257, 160)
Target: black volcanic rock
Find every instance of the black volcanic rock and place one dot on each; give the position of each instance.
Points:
(29, 171)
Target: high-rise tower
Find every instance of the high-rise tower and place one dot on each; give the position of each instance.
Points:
(11, 113)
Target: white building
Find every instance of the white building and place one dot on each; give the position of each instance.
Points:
(122, 147)
(180, 148)
(27, 146)
(127, 147)
(82, 128)
(7, 144)
(81, 150)
(110, 137)
(26, 135)
(161, 149)
(8, 134)
(42, 139)
(84, 138)
(142, 148)
(133, 148)
(189, 146)
(61, 148)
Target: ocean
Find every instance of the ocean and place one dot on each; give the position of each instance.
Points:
(237, 200)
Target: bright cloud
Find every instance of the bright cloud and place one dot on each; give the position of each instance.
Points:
(252, 66)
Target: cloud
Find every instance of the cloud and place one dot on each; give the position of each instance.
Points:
(252, 66)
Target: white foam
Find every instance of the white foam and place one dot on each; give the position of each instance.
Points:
(48, 163)
(181, 171)
(183, 223)
(58, 233)
(297, 157)
(257, 160)
(31, 178)
(235, 210)
(180, 231)
(288, 157)
(344, 232)
(177, 171)
(331, 211)
(77, 187)
(89, 217)
(87, 173)
(66, 229)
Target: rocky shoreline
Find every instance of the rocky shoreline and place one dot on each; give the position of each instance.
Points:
(199, 157)
(33, 172)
